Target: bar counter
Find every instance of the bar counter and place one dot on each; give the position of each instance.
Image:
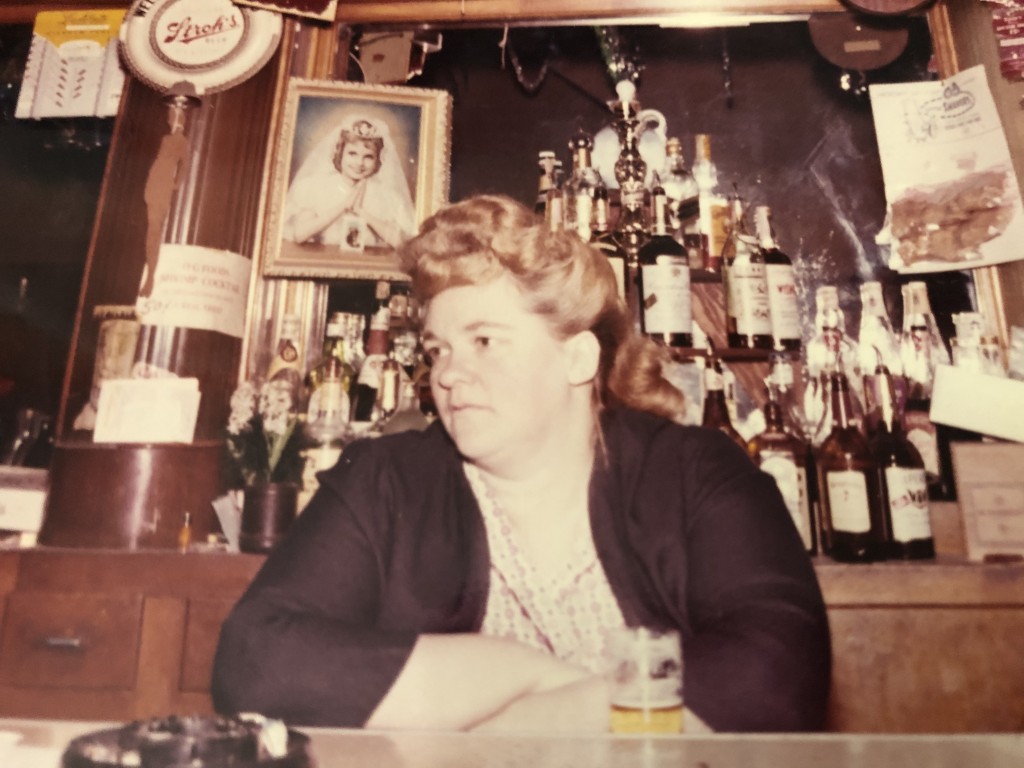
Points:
(918, 647)
(43, 741)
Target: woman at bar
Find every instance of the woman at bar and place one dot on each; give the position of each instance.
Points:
(350, 191)
(464, 577)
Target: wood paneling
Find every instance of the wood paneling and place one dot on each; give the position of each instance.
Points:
(927, 670)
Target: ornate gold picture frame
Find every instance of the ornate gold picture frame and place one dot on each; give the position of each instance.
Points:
(354, 170)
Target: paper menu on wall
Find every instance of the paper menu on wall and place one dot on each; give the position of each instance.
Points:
(73, 69)
(954, 201)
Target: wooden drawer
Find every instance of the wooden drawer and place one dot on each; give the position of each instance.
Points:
(67, 640)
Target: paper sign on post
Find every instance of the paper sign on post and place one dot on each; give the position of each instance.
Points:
(198, 287)
(953, 197)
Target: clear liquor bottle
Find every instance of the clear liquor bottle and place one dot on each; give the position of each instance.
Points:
(921, 349)
(580, 188)
(783, 455)
(829, 347)
(878, 351)
(663, 281)
(716, 409)
(683, 201)
(334, 369)
(782, 297)
(904, 482)
(713, 218)
(849, 484)
(747, 318)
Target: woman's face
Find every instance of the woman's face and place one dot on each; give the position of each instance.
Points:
(358, 160)
(499, 377)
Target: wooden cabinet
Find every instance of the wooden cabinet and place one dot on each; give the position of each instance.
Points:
(918, 647)
(112, 635)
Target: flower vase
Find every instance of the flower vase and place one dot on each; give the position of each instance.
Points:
(268, 509)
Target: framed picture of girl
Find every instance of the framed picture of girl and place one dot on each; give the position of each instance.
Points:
(354, 170)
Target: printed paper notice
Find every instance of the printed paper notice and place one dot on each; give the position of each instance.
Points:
(73, 69)
(198, 287)
(953, 197)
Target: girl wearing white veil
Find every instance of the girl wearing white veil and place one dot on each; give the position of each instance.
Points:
(351, 191)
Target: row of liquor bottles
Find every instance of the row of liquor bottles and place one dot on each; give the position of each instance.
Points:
(663, 234)
(861, 494)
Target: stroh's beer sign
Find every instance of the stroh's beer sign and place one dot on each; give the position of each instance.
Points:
(192, 33)
(192, 47)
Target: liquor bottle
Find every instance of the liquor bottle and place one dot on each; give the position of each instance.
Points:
(663, 281)
(783, 455)
(326, 428)
(829, 346)
(878, 348)
(876, 339)
(333, 352)
(748, 323)
(713, 219)
(904, 483)
(388, 393)
(364, 395)
(604, 240)
(580, 187)
(849, 484)
(683, 201)
(286, 364)
(554, 210)
(921, 349)
(782, 304)
(716, 410)
(546, 165)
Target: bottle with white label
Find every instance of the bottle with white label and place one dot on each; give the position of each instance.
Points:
(663, 282)
(849, 484)
(747, 314)
(782, 304)
(783, 455)
(904, 483)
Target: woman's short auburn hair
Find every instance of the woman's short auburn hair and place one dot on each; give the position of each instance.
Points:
(562, 279)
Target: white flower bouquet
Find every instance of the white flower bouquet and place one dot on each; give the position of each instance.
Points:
(264, 434)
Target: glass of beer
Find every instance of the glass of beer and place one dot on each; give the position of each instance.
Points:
(645, 680)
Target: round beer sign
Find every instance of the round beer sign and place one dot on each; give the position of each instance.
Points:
(194, 47)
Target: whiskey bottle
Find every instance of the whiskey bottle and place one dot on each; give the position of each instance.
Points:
(364, 395)
(287, 362)
(580, 187)
(747, 313)
(784, 456)
(604, 240)
(546, 165)
(716, 410)
(904, 483)
(554, 210)
(782, 304)
(849, 484)
(663, 282)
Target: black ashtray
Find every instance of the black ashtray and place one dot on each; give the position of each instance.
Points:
(192, 742)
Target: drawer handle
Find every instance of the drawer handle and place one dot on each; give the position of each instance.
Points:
(58, 643)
